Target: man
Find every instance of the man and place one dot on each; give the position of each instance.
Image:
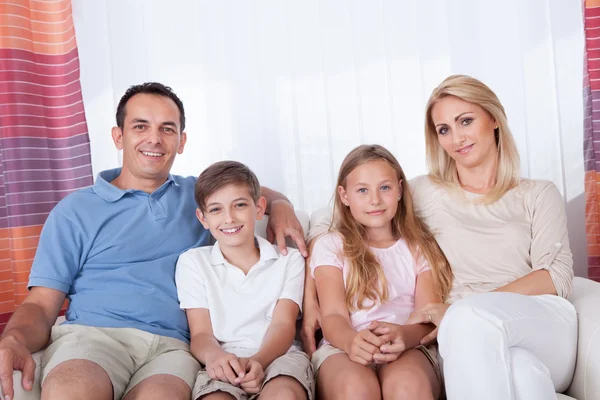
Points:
(111, 249)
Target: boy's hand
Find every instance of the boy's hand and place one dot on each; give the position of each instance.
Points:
(225, 367)
(394, 338)
(363, 346)
(311, 322)
(252, 381)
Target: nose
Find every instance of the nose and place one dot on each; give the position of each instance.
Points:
(228, 215)
(458, 138)
(375, 199)
(154, 136)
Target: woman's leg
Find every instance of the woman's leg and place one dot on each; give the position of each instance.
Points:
(341, 378)
(410, 377)
(477, 337)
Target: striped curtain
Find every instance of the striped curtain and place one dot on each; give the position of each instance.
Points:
(591, 144)
(44, 144)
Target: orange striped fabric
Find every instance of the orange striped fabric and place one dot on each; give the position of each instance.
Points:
(44, 143)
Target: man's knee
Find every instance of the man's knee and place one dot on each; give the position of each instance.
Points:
(161, 386)
(77, 379)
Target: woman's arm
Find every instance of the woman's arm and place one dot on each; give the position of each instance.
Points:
(551, 258)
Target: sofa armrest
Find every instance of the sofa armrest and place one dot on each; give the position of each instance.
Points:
(586, 299)
(36, 392)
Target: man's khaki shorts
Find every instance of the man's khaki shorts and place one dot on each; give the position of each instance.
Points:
(327, 350)
(295, 364)
(127, 355)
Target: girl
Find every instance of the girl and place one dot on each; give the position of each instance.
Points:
(374, 266)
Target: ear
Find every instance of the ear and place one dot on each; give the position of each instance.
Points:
(261, 207)
(117, 135)
(182, 141)
(200, 216)
(401, 189)
(343, 194)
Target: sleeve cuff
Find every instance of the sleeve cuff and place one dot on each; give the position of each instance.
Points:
(48, 283)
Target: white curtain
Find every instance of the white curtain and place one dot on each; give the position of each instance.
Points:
(289, 87)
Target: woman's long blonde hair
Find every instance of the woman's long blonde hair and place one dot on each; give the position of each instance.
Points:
(365, 279)
(442, 168)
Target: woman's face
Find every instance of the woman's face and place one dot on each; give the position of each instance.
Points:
(465, 131)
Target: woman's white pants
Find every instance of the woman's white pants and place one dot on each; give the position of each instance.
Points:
(507, 346)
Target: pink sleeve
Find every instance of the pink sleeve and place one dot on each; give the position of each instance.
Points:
(421, 264)
(326, 251)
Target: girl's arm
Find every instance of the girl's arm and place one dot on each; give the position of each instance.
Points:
(337, 328)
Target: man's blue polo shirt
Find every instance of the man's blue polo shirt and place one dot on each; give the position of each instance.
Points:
(113, 252)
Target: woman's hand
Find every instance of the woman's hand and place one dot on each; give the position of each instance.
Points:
(430, 313)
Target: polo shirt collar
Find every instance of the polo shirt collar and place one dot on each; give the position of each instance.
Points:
(267, 252)
(110, 193)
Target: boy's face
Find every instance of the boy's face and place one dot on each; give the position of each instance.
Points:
(230, 215)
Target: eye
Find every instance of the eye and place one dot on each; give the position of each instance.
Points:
(443, 130)
(214, 210)
(466, 121)
(168, 129)
(241, 205)
(139, 127)
(386, 187)
(362, 190)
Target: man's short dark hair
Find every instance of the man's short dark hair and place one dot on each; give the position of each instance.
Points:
(155, 88)
(221, 174)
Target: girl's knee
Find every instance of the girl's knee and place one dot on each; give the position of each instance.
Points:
(410, 383)
(356, 387)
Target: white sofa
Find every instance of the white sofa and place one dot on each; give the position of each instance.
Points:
(585, 297)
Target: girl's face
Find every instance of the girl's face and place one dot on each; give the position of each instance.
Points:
(465, 131)
(372, 192)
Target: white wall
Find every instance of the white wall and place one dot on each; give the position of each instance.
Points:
(289, 87)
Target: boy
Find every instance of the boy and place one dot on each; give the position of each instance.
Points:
(241, 296)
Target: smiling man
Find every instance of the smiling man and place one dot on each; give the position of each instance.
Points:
(111, 249)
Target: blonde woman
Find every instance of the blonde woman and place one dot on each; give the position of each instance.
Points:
(510, 333)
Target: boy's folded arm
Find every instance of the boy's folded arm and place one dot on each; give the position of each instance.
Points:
(203, 344)
(280, 334)
(335, 318)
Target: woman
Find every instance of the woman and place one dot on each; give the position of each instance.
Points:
(510, 333)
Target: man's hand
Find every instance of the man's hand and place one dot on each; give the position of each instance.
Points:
(430, 313)
(311, 322)
(254, 375)
(283, 222)
(225, 367)
(15, 356)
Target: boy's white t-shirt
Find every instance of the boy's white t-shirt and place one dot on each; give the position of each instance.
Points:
(241, 306)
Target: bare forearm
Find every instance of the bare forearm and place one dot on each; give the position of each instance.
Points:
(29, 326)
(205, 347)
(277, 342)
(535, 283)
(414, 334)
(272, 196)
(310, 289)
(338, 331)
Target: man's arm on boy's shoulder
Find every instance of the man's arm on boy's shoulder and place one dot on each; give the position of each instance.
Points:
(283, 221)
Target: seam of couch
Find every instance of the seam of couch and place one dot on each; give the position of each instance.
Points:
(586, 360)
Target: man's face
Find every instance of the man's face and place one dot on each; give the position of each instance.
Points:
(151, 136)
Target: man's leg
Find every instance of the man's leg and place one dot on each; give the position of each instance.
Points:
(169, 373)
(84, 362)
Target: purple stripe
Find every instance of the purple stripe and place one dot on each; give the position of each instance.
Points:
(30, 208)
(47, 185)
(16, 154)
(46, 164)
(58, 143)
(17, 176)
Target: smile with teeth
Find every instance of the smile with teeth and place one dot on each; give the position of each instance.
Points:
(152, 154)
(231, 231)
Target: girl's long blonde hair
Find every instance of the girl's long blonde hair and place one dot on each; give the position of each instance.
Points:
(442, 168)
(365, 279)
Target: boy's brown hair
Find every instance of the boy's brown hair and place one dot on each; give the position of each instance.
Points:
(221, 174)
